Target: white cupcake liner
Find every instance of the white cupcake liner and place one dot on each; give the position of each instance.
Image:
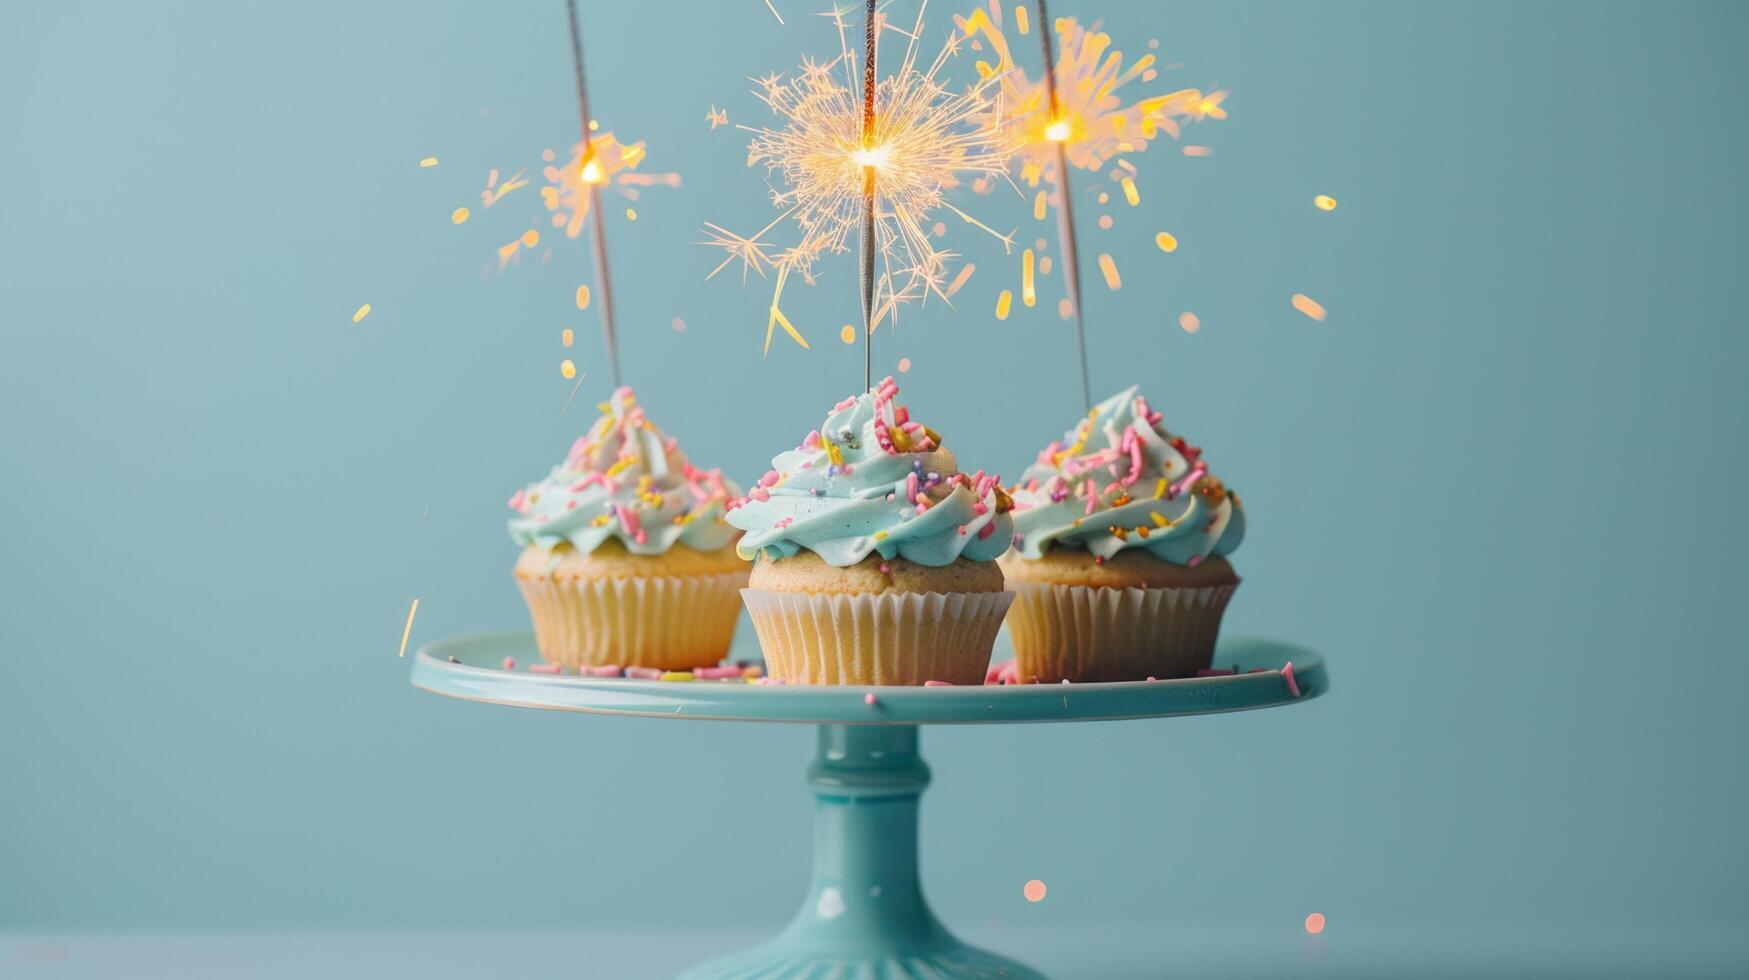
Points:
(893, 638)
(670, 622)
(1082, 633)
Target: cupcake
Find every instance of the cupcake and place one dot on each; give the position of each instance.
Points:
(1119, 566)
(874, 556)
(626, 558)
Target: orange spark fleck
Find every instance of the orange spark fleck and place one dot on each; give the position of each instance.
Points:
(1004, 300)
(428, 162)
(1197, 151)
(583, 297)
(1104, 198)
(458, 216)
(1034, 891)
(1038, 207)
(960, 279)
(1028, 294)
(1166, 241)
(1105, 222)
(904, 364)
(631, 215)
(679, 325)
(363, 312)
(567, 337)
(1324, 202)
(1309, 306)
(1189, 323)
(1065, 309)
(1109, 268)
(530, 238)
(1021, 22)
(1130, 193)
(1315, 923)
(848, 334)
(568, 368)
(1044, 265)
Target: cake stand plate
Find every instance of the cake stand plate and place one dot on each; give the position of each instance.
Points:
(865, 917)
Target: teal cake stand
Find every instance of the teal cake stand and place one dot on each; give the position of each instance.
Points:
(865, 917)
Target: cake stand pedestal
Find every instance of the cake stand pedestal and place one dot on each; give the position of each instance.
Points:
(865, 916)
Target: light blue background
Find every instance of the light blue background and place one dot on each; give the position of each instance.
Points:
(1497, 487)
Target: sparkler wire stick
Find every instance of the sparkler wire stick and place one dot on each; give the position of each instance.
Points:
(1058, 134)
(604, 284)
(868, 195)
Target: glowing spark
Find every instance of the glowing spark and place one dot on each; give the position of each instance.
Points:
(1059, 131)
(1034, 891)
(1028, 294)
(407, 631)
(568, 368)
(1003, 301)
(1130, 193)
(1314, 923)
(717, 117)
(567, 337)
(1109, 269)
(1309, 306)
(847, 334)
(1189, 323)
(583, 297)
(530, 238)
(1166, 242)
(1324, 202)
(1038, 206)
(904, 364)
(428, 162)
(458, 216)
(928, 140)
(631, 215)
(363, 312)
(592, 172)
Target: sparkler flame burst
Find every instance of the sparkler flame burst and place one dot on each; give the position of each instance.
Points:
(928, 139)
(604, 161)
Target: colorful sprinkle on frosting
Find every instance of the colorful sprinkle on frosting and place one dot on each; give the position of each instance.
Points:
(628, 481)
(871, 480)
(1119, 480)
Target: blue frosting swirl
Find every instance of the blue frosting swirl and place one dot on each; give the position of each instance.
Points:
(1119, 480)
(868, 481)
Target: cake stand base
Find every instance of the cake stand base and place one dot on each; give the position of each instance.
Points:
(865, 916)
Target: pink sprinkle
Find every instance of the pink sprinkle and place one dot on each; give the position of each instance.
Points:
(771, 680)
(1092, 496)
(770, 478)
(1151, 677)
(937, 684)
(986, 530)
(1194, 561)
(760, 494)
(716, 673)
(1287, 674)
(869, 699)
(628, 522)
(509, 663)
(546, 669)
(1196, 473)
(606, 670)
(886, 569)
(644, 673)
(1133, 445)
(993, 672)
(911, 486)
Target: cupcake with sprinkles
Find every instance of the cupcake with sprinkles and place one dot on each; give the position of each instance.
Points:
(626, 558)
(1119, 565)
(874, 556)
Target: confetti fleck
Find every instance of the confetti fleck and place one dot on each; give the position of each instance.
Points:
(363, 312)
(1309, 306)
(1034, 891)
(428, 162)
(904, 364)
(1038, 206)
(1189, 323)
(1044, 265)
(568, 368)
(1065, 309)
(678, 324)
(1105, 222)
(1021, 21)
(1166, 241)
(583, 297)
(631, 214)
(1315, 923)
(1003, 302)
(1109, 268)
(1028, 294)
(407, 631)
(1198, 151)
(530, 238)
(1324, 202)
(848, 334)
(567, 337)
(965, 273)
(1130, 193)
(458, 216)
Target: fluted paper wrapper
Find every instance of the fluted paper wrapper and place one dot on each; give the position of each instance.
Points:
(673, 623)
(1080, 633)
(895, 638)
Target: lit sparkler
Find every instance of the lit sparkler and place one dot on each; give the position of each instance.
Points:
(923, 139)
